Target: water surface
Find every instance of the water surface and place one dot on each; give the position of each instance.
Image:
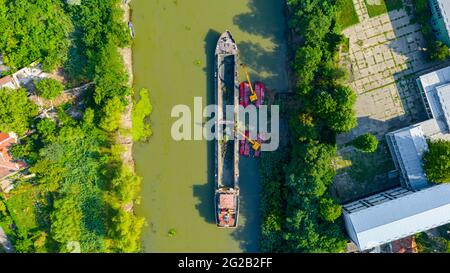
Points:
(174, 58)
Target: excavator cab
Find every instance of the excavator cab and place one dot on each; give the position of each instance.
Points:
(255, 145)
(253, 97)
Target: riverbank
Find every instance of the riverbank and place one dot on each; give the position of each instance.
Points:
(124, 137)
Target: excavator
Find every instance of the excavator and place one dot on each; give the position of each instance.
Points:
(253, 96)
(255, 144)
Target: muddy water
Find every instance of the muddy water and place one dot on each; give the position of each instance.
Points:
(173, 58)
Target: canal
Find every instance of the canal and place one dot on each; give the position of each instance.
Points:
(173, 58)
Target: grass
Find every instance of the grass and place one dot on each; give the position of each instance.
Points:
(348, 16)
(363, 167)
(383, 7)
(21, 206)
(346, 45)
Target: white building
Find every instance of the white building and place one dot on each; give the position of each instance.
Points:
(417, 205)
(8, 82)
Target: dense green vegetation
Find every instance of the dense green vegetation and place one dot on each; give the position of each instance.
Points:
(383, 7)
(48, 88)
(366, 143)
(81, 193)
(347, 16)
(299, 213)
(439, 243)
(34, 31)
(436, 49)
(437, 161)
(16, 112)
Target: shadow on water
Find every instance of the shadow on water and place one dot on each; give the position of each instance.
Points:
(265, 19)
(258, 20)
(205, 192)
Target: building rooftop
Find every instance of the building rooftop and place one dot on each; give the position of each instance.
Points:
(399, 218)
(436, 90)
(444, 6)
(7, 165)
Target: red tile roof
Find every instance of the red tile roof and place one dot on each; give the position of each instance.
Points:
(5, 80)
(7, 164)
(405, 245)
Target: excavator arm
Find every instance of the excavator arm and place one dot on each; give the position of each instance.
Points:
(255, 144)
(253, 96)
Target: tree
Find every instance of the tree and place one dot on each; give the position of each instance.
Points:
(16, 111)
(329, 210)
(366, 143)
(126, 232)
(48, 88)
(141, 112)
(307, 60)
(439, 51)
(437, 161)
(34, 31)
(112, 114)
(66, 220)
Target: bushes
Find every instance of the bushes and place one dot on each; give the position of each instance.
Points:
(35, 30)
(16, 111)
(437, 161)
(48, 88)
(366, 143)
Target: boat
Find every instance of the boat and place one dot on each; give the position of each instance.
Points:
(259, 90)
(244, 94)
(244, 148)
(130, 26)
(226, 175)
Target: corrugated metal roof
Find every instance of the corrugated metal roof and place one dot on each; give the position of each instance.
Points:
(399, 218)
(429, 83)
(411, 144)
(444, 6)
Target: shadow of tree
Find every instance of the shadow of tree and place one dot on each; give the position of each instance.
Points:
(260, 19)
(268, 64)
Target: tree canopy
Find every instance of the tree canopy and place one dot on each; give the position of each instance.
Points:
(16, 111)
(49, 88)
(366, 143)
(34, 30)
(437, 161)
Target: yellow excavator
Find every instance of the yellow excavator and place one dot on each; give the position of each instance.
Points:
(253, 96)
(255, 144)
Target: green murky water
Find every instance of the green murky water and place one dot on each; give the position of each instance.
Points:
(173, 58)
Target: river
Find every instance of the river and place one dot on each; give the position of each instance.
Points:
(173, 56)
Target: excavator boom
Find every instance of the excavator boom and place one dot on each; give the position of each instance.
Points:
(255, 144)
(253, 96)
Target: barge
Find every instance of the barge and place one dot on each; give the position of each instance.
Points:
(226, 196)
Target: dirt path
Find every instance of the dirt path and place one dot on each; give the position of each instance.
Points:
(124, 136)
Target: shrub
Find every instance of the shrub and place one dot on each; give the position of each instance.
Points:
(48, 88)
(366, 143)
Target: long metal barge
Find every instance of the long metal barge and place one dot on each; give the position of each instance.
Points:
(226, 197)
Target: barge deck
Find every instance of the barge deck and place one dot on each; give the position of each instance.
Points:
(226, 148)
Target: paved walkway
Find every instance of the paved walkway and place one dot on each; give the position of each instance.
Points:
(385, 57)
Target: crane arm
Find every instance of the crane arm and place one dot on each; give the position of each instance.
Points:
(248, 79)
